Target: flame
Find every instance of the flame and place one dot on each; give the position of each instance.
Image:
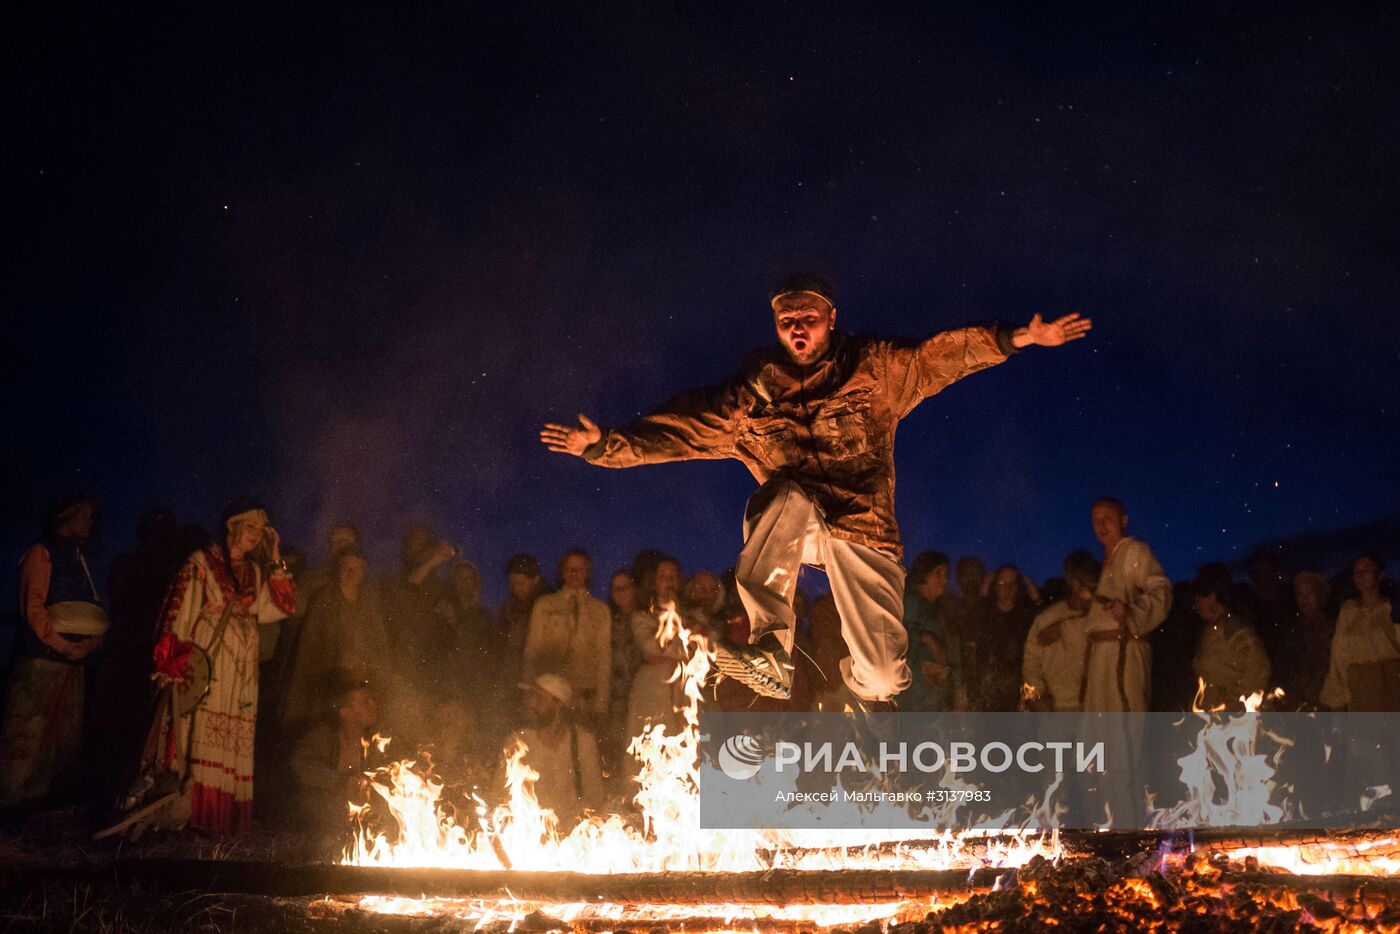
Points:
(521, 834)
(1229, 782)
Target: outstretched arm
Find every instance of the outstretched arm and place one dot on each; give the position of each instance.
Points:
(696, 425)
(915, 371)
(1071, 327)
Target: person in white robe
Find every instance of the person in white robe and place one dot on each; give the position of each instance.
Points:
(571, 634)
(1052, 663)
(1132, 599)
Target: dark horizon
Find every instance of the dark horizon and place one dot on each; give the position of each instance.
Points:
(350, 263)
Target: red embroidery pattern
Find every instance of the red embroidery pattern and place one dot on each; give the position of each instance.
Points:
(284, 593)
(175, 597)
(225, 732)
(244, 588)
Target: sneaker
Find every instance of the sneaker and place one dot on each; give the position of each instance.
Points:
(763, 667)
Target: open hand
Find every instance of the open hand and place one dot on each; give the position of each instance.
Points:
(567, 440)
(274, 544)
(1062, 330)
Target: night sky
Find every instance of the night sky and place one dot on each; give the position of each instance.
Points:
(351, 261)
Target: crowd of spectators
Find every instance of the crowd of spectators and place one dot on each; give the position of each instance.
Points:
(307, 660)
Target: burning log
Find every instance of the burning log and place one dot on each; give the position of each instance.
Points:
(775, 887)
(1334, 885)
(1360, 843)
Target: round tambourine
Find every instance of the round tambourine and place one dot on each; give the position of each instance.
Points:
(190, 692)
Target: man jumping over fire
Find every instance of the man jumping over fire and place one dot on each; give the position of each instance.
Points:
(814, 422)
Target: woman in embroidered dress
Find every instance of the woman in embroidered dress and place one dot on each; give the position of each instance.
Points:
(217, 743)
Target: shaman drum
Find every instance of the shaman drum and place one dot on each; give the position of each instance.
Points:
(190, 692)
(78, 618)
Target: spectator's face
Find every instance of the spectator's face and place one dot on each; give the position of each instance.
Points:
(78, 526)
(1006, 581)
(1208, 607)
(970, 575)
(668, 582)
(1309, 601)
(804, 324)
(342, 538)
(352, 573)
(1081, 592)
(703, 590)
(521, 585)
(1109, 523)
(541, 708)
(623, 592)
(1366, 575)
(936, 584)
(245, 536)
(575, 572)
(361, 709)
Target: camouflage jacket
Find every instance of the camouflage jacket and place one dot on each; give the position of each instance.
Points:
(829, 426)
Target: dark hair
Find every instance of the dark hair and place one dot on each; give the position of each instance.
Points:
(1373, 557)
(1214, 579)
(967, 561)
(804, 281)
(523, 564)
(1113, 501)
(63, 506)
(643, 564)
(575, 552)
(924, 565)
(1083, 567)
(238, 505)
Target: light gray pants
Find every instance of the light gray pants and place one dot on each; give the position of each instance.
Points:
(783, 531)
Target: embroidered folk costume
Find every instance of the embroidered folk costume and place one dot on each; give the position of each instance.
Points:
(215, 741)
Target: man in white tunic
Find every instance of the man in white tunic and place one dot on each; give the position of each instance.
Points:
(1132, 599)
(1052, 664)
(571, 634)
